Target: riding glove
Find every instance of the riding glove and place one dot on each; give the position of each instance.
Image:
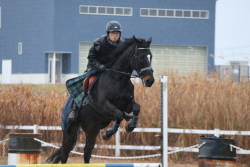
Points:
(100, 67)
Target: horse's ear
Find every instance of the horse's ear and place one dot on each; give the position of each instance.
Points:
(149, 40)
(135, 39)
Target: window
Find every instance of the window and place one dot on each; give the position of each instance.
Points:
(153, 12)
(119, 10)
(162, 12)
(110, 11)
(106, 10)
(101, 10)
(144, 12)
(170, 13)
(20, 48)
(92, 10)
(204, 14)
(178, 13)
(196, 14)
(187, 14)
(174, 13)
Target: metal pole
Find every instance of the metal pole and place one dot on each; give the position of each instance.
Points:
(117, 143)
(164, 81)
(53, 81)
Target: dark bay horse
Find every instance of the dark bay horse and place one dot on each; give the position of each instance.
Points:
(111, 98)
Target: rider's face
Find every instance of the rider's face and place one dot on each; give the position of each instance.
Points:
(114, 36)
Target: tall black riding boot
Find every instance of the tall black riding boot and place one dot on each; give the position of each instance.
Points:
(72, 113)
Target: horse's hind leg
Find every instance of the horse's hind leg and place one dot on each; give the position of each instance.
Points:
(136, 109)
(61, 154)
(69, 141)
(90, 143)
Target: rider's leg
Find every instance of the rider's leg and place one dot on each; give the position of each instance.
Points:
(72, 113)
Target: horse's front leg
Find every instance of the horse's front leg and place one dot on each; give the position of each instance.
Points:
(118, 116)
(114, 128)
(136, 109)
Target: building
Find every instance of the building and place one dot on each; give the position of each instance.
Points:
(239, 70)
(47, 41)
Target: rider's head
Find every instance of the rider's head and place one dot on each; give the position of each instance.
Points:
(114, 29)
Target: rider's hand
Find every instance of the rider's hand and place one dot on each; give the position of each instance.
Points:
(100, 67)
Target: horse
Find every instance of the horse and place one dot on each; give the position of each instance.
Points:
(111, 98)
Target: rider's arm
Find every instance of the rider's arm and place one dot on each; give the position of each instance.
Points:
(93, 52)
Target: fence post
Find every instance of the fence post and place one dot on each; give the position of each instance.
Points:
(217, 132)
(35, 130)
(117, 143)
(164, 130)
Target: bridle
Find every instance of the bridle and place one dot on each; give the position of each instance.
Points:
(149, 68)
(139, 71)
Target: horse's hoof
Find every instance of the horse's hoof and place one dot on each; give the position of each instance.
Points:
(104, 136)
(129, 129)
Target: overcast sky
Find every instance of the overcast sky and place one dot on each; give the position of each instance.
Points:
(232, 31)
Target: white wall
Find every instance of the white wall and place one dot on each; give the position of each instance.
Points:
(36, 78)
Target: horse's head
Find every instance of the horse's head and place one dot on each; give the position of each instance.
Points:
(141, 62)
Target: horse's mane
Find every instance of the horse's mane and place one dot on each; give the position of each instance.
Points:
(120, 50)
(125, 48)
(126, 43)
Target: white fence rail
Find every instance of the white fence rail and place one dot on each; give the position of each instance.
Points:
(118, 147)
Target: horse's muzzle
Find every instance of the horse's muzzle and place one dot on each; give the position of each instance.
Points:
(148, 80)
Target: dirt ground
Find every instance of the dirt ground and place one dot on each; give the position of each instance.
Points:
(79, 160)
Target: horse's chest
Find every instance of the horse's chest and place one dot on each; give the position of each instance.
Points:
(123, 97)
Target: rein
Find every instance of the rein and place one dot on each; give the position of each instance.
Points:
(136, 76)
(137, 68)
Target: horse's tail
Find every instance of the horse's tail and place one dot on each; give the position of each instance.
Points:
(57, 156)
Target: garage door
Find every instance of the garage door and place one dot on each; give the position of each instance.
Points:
(84, 51)
(178, 58)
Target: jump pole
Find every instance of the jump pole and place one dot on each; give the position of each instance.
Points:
(164, 119)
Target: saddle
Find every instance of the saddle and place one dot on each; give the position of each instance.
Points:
(88, 82)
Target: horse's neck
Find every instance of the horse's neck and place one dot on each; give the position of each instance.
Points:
(123, 62)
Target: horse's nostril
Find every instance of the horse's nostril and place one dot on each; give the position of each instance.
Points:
(149, 82)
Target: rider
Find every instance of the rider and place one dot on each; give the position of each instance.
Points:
(97, 57)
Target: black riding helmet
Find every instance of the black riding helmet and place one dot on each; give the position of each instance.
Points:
(113, 26)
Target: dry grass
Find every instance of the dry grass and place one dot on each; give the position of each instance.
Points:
(196, 101)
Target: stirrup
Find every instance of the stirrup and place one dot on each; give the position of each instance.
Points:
(72, 115)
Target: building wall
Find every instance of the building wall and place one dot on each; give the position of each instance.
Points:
(29, 22)
(55, 25)
(167, 31)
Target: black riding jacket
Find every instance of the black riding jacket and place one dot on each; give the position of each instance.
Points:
(99, 52)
